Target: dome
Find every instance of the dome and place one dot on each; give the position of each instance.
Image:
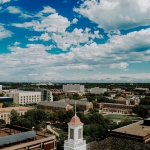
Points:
(75, 121)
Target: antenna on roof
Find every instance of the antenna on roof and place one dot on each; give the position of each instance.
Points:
(75, 108)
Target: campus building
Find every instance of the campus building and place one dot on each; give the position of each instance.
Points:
(19, 138)
(55, 105)
(138, 131)
(73, 88)
(97, 90)
(25, 97)
(83, 104)
(114, 107)
(5, 112)
(6, 99)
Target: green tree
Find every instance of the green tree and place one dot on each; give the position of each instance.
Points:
(125, 121)
(14, 117)
(2, 121)
(106, 94)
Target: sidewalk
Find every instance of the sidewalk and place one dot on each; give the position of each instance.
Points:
(49, 128)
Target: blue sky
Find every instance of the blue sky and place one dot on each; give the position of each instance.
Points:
(75, 40)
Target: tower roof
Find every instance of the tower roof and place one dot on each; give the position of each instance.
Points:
(75, 120)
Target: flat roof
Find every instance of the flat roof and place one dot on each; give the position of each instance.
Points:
(20, 108)
(22, 142)
(137, 129)
(5, 97)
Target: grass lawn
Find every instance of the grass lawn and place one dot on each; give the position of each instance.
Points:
(120, 117)
(59, 131)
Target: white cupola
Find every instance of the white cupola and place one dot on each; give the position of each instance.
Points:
(75, 135)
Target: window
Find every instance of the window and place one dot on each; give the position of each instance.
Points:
(79, 134)
(71, 134)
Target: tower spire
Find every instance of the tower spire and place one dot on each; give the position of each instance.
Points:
(75, 108)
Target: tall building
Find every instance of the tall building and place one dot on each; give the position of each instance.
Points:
(97, 90)
(46, 95)
(75, 135)
(73, 88)
(0, 87)
(25, 97)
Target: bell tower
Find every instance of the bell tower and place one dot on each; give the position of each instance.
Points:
(75, 135)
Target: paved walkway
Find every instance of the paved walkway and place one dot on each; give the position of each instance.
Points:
(49, 128)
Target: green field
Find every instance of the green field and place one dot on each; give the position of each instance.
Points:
(59, 131)
(120, 117)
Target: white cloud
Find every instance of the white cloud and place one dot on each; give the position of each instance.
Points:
(4, 33)
(52, 23)
(75, 20)
(48, 9)
(44, 37)
(13, 10)
(121, 65)
(55, 28)
(4, 1)
(17, 43)
(116, 14)
(23, 15)
(118, 53)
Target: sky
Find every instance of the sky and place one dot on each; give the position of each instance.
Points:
(105, 41)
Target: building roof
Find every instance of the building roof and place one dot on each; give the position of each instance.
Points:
(5, 97)
(9, 109)
(116, 104)
(18, 91)
(137, 129)
(78, 102)
(20, 138)
(16, 137)
(75, 120)
(121, 98)
(54, 104)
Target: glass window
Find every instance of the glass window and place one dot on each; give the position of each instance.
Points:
(71, 134)
(79, 134)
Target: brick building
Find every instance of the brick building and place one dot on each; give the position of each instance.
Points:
(83, 104)
(5, 112)
(19, 138)
(55, 105)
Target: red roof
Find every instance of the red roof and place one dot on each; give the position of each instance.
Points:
(75, 121)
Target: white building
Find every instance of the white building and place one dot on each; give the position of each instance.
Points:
(73, 88)
(75, 135)
(25, 97)
(97, 90)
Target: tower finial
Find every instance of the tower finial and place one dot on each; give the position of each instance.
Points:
(75, 108)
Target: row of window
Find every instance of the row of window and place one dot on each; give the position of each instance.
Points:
(30, 96)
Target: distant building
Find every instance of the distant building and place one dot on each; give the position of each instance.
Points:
(55, 105)
(5, 112)
(114, 107)
(97, 90)
(46, 95)
(73, 88)
(83, 104)
(6, 99)
(25, 97)
(0, 87)
(138, 131)
(142, 89)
